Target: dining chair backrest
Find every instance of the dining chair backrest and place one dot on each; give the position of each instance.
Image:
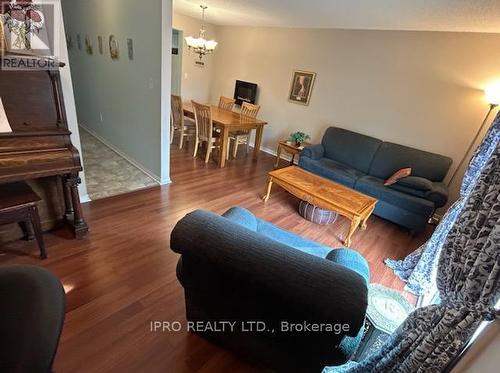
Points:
(249, 110)
(176, 112)
(203, 119)
(226, 103)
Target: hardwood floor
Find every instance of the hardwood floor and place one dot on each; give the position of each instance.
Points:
(123, 275)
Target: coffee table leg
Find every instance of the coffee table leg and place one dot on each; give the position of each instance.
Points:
(363, 223)
(268, 192)
(354, 224)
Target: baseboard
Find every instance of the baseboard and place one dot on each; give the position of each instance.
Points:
(85, 198)
(165, 181)
(122, 154)
(272, 152)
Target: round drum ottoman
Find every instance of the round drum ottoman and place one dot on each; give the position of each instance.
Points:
(315, 214)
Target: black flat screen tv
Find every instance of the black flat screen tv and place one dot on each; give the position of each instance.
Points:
(245, 92)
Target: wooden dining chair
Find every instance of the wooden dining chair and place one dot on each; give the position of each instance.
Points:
(205, 129)
(226, 103)
(243, 137)
(185, 126)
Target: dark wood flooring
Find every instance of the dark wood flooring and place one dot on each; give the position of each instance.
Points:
(123, 275)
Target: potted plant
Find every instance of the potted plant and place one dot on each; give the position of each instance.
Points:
(298, 138)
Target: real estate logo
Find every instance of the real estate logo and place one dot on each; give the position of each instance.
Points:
(30, 34)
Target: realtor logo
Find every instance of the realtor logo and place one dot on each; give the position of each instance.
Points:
(29, 28)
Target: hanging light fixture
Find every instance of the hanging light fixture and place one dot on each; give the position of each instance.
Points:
(200, 45)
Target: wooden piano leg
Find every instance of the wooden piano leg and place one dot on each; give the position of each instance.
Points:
(37, 227)
(79, 226)
(68, 213)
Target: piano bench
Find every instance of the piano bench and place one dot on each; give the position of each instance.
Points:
(18, 204)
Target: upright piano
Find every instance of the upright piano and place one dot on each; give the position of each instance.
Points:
(39, 145)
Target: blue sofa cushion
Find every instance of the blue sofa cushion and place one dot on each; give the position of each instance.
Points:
(438, 194)
(415, 182)
(404, 189)
(392, 157)
(350, 148)
(242, 217)
(248, 220)
(313, 151)
(332, 170)
(375, 187)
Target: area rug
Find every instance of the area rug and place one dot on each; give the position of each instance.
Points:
(387, 309)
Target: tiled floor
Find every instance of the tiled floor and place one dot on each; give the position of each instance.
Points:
(106, 172)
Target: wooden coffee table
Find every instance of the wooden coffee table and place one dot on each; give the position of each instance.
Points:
(324, 193)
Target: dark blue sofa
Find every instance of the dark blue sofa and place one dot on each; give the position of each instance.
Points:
(239, 268)
(364, 163)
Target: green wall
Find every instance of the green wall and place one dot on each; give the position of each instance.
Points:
(127, 94)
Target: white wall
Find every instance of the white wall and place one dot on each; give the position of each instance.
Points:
(196, 81)
(121, 100)
(69, 100)
(483, 354)
(421, 89)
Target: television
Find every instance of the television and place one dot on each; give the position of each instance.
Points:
(245, 92)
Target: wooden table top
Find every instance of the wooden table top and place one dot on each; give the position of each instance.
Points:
(226, 118)
(318, 187)
(293, 146)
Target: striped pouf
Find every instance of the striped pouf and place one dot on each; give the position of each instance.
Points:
(315, 214)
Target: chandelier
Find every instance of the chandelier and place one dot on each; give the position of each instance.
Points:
(200, 45)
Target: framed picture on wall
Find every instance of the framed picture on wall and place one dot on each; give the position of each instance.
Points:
(88, 45)
(114, 48)
(69, 42)
(3, 44)
(99, 45)
(130, 47)
(301, 87)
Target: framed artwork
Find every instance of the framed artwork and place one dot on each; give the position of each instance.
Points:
(69, 42)
(100, 45)
(23, 28)
(301, 87)
(88, 45)
(114, 48)
(79, 41)
(3, 45)
(130, 47)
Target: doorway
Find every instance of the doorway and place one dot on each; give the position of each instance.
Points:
(177, 38)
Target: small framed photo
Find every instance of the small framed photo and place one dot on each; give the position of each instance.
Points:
(301, 87)
(130, 47)
(100, 45)
(69, 42)
(88, 45)
(114, 49)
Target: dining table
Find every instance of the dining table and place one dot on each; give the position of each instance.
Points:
(230, 121)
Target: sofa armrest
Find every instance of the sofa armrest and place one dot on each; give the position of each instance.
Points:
(438, 194)
(313, 151)
(316, 288)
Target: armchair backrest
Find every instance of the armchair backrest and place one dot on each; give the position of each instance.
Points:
(31, 318)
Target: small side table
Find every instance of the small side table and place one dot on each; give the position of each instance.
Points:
(18, 204)
(288, 148)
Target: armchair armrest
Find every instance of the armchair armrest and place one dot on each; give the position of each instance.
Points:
(312, 288)
(313, 151)
(438, 194)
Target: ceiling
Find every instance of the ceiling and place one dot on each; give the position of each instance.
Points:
(422, 15)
